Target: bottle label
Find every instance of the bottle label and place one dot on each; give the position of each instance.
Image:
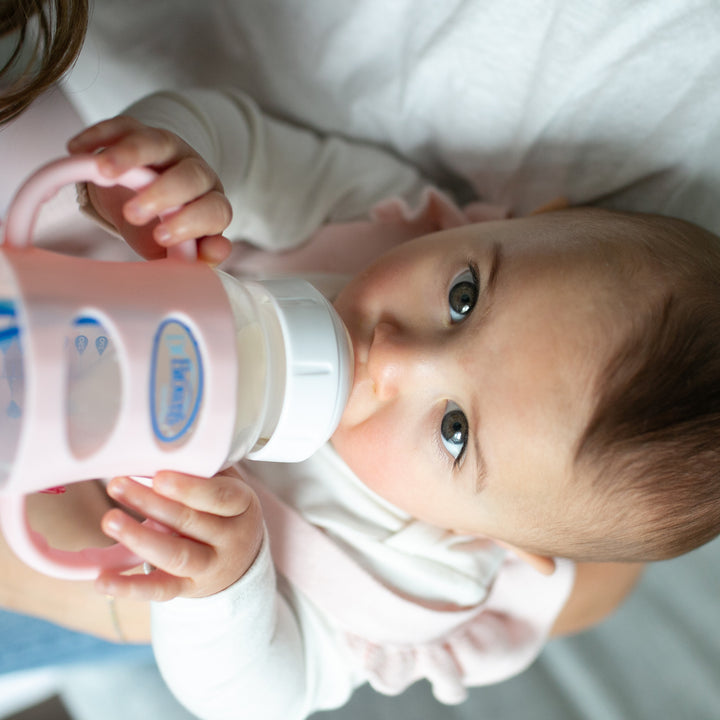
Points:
(93, 385)
(176, 382)
(11, 361)
(12, 386)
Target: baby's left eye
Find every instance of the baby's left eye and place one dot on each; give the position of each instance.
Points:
(463, 294)
(454, 431)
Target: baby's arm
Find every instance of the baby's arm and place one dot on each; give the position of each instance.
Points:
(231, 641)
(256, 650)
(283, 181)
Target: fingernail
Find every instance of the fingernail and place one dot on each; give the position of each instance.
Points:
(162, 235)
(163, 482)
(212, 254)
(117, 486)
(137, 212)
(111, 527)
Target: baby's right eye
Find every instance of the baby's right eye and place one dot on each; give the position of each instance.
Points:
(463, 294)
(454, 431)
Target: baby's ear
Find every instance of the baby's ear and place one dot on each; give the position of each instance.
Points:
(542, 563)
(559, 203)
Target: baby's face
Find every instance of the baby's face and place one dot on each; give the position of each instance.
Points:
(476, 351)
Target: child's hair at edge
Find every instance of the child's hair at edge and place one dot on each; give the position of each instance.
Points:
(652, 446)
(54, 30)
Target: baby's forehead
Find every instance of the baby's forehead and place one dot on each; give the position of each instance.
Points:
(620, 249)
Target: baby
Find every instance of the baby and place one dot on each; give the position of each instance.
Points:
(551, 383)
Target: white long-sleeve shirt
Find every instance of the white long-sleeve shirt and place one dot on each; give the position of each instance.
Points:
(265, 648)
(284, 182)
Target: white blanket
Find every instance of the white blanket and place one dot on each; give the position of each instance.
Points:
(603, 101)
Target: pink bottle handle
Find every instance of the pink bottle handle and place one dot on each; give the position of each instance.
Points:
(22, 215)
(48, 180)
(32, 548)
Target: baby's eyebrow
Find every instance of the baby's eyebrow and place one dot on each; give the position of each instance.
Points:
(488, 291)
(480, 467)
(495, 264)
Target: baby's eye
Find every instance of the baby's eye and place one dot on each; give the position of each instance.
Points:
(454, 430)
(463, 294)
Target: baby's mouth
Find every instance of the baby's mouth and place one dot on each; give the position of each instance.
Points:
(361, 403)
(360, 346)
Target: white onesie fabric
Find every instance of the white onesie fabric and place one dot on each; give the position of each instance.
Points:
(266, 649)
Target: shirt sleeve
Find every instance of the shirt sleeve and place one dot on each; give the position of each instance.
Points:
(283, 181)
(255, 650)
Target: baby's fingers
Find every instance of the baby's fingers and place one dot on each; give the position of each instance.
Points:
(210, 531)
(125, 143)
(176, 555)
(224, 495)
(206, 217)
(158, 586)
(189, 179)
(175, 516)
(101, 134)
(213, 249)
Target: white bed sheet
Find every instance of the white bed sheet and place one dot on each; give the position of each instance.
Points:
(604, 101)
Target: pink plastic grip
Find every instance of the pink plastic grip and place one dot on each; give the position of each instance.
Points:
(34, 550)
(18, 232)
(46, 182)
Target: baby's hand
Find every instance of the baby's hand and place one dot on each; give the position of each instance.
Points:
(185, 182)
(216, 531)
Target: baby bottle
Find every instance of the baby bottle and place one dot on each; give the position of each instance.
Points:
(112, 368)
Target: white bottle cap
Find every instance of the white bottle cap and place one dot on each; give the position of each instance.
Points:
(318, 372)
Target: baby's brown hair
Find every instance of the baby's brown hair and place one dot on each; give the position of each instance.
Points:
(653, 442)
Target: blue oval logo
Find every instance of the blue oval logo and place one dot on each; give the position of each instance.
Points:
(176, 382)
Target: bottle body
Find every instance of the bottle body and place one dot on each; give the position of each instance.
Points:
(254, 341)
(142, 380)
(116, 369)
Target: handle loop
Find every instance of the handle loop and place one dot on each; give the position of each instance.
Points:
(34, 550)
(47, 181)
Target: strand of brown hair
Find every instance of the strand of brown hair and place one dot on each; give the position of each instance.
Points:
(57, 40)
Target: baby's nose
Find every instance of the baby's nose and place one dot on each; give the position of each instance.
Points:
(395, 360)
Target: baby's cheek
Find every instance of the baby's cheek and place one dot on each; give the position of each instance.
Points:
(379, 460)
(355, 448)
